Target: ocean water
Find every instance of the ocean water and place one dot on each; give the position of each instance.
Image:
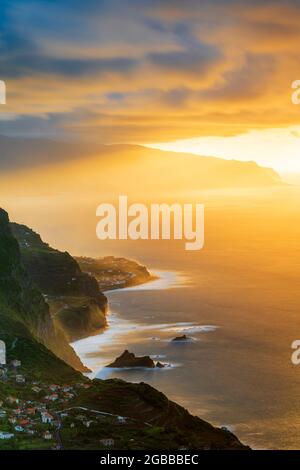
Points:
(239, 300)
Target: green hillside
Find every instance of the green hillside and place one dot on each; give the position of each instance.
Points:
(84, 413)
(77, 306)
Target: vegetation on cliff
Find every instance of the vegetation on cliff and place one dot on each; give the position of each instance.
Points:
(23, 310)
(113, 273)
(77, 305)
(129, 416)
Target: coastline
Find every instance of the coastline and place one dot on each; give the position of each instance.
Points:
(98, 350)
(159, 279)
(117, 327)
(134, 284)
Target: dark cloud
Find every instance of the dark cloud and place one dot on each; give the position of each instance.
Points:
(27, 63)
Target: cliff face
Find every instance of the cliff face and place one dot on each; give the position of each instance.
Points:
(55, 272)
(77, 305)
(26, 327)
(23, 310)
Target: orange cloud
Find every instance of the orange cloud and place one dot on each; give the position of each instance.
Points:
(208, 69)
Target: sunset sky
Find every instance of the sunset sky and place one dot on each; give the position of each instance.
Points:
(208, 77)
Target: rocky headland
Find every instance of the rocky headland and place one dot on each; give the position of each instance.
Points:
(43, 356)
(115, 273)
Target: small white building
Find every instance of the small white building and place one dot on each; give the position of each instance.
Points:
(19, 428)
(87, 424)
(52, 397)
(20, 379)
(107, 442)
(122, 420)
(6, 435)
(16, 363)
(11, 399)
(46, 417)
(2, 353)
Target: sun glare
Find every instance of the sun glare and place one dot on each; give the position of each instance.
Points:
(276, 148)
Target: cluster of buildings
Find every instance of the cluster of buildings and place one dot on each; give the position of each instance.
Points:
(41, 410)
(34, 416)
(58, 393)
(24, 417)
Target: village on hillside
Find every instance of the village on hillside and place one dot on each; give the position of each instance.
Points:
(36, 415)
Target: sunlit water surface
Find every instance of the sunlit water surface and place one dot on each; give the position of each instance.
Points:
(239, 300)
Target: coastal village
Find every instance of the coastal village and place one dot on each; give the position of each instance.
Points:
(46, 402)
(37, 414)
(115, 273)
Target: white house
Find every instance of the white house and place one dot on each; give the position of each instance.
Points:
(6, 435)
(2, 353)
(87, 424)
(52, 397)
(20, 379)
(107, 442)
(19, 428)
(121, 419)
(46, 417)
(16, 363)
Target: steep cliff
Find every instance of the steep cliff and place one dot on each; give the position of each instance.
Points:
(23, 310)
(77, 305)
(113, 273)
(152, 421)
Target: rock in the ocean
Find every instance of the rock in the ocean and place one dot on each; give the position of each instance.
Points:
(181, 338)
(128, 359)
(160, 365)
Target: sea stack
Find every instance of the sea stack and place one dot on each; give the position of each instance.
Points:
(128, 359)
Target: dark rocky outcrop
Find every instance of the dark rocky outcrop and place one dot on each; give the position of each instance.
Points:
(183, 338)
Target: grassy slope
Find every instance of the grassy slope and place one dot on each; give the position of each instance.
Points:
(23, 310)
(168, 425)
(76, 303)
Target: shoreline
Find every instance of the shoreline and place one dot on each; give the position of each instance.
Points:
(116, 328)
(136, 284)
